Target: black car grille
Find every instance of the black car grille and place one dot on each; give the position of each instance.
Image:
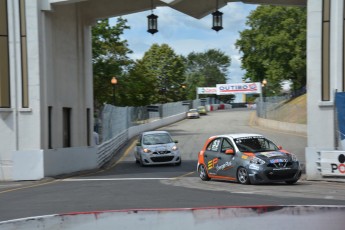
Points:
(279, 165)
(280, 176)
(162, 152)
(280, 171)
(162, 159)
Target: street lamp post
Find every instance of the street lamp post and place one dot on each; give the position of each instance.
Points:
(113, 82)
(263, 84)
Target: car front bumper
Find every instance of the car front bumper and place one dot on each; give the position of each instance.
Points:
(159, 159)
(193, 116)
(263, 174)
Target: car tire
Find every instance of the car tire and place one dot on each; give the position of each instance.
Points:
(291, 181)
(242, 176)
(203, 173)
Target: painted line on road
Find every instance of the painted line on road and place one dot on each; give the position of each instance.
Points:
(184, 175)
(117, 179)
(30, 186)
(59, 180)
(244, 192)
(124, 155)
(111, 166)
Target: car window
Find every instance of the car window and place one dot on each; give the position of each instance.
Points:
(226, 144)
(267, 145)
(255, 144)
(157, 138)
(214, 145)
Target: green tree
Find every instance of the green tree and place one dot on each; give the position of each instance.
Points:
(274, 46)
(136, 88)
(206, 69)
(109, 58)
(168, 70)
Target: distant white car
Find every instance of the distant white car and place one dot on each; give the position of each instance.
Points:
(193, 113)
(156, 148)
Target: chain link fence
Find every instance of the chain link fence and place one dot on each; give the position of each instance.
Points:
(286, 109)
(115, 120)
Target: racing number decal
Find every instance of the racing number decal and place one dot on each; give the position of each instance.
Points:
(212, 163)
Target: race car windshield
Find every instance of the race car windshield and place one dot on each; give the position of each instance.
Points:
(255, 144)
(156, 139)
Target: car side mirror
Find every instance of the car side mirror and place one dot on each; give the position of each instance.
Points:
(229, 152)
(176, 141)
(280, 147)
(138, 143)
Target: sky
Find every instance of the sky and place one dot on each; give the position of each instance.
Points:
(185, 34)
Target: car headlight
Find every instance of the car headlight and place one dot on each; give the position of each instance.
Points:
(256, 160)
(293, 157)
(174, 148)
(146, 150)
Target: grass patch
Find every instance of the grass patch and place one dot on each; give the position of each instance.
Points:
(292, 111)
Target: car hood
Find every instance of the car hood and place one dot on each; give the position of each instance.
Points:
(160, 147)
(273, 155)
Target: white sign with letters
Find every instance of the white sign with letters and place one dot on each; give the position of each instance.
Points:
(207, 90)
(332, 163)
(246, 88)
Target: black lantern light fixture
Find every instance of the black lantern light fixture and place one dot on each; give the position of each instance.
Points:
(217, 19)
(152, 23)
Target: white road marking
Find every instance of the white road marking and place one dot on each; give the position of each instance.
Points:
(244, 192)
(117, 179)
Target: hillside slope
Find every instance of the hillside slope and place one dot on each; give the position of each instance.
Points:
(292, 111)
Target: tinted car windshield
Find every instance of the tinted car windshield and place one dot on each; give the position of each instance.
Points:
(156, 139)
(255, 144)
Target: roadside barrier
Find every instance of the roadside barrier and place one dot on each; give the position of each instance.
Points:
(258, 217)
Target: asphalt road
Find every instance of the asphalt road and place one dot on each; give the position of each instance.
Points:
(126, 185)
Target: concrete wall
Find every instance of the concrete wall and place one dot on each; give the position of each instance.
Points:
(232, 218)
(321, 125)
(284, 126)
(68, 73)
(21, 127)
(37, 164)
(135, 130)
(60, 75)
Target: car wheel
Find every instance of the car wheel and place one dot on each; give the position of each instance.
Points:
(242, 175)
(203, 173)
(291, 181)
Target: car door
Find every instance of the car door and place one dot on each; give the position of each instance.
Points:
(226, 161)
(211, 156)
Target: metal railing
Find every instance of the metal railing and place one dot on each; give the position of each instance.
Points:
(114, 123)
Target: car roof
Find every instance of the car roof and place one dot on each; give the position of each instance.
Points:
(154, 132)
(239, 135)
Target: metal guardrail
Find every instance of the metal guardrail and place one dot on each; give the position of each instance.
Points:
(109, 148)
(116, 121)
